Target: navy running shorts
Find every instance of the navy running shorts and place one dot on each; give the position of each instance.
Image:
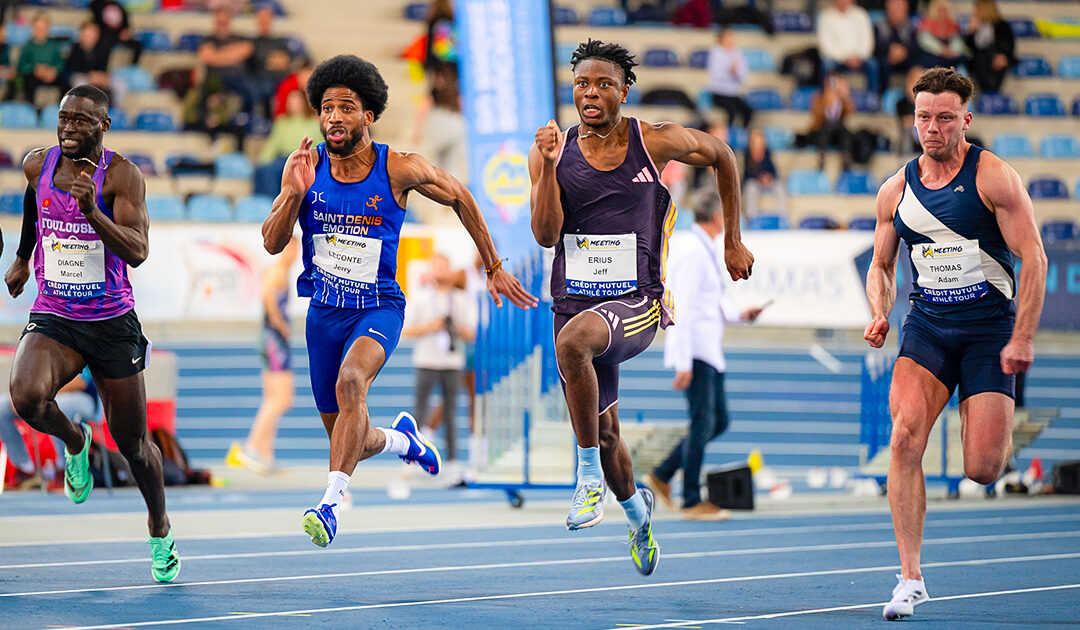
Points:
(967, 354)
(331, 331)
(632, 324)
(114, 348)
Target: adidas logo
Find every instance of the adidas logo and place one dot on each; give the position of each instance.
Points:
(643, 177)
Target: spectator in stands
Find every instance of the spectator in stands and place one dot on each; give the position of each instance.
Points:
(295, 81)
(40, 60)
(5, 7)
(112, 20)
(940, 37)
(439, 123)
(7, 72)
(88, 60)
(224, 55)
(442, 318)
(895, 41)
(992, 44)
(829, 111)
(728, 72)
(905, 116)
(288, 130)
(846, 42)
(270, 63)
(759, 175)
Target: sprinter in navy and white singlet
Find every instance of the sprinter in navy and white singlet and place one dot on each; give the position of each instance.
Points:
(597, 199)
(963, 214)
(349, 194)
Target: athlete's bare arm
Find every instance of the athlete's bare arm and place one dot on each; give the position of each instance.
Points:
(881, 277)
(668, 141)
(410, 171)
(297, 178)
(1003, 192)
(126, 234)
(545, 196)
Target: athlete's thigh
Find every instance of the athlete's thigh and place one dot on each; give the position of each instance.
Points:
(124, 402)
(632, 325)
(916, 397)
(43, 365)
(986, 424)
(326, 333)
(933, 347)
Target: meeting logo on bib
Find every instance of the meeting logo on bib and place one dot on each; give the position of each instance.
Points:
(583, 242)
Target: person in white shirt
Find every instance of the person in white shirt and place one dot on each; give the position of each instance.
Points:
(728, 71)
(846, 42)
(442, 317)
(694, 348)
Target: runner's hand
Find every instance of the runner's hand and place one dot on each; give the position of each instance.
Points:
(876, 331)
(740, 262)
(301, 170)
(548, 139)
(17, 275)
(1017, 356)
(84, 190)
(503, 283)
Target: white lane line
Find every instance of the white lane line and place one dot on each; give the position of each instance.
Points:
(813, 611)
(599, 589)
(547, 563)
(717, 533)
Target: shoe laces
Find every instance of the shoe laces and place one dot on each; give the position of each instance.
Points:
(160, 549)
(581, 494)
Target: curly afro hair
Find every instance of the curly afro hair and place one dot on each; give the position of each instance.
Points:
(614, 53)
(352, 72)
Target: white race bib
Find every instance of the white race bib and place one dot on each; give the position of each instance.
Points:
(73, 268)
(600, 265)
(354, 258)
(949, 273)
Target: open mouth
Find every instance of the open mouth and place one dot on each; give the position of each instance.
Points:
(68, 143)
(336, 134)
(590, 110)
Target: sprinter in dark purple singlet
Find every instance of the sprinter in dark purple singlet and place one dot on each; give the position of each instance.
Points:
(90, 210)
(597, 199)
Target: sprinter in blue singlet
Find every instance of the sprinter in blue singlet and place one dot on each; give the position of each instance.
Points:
(598, 200)
(963, 213)
(349, 194)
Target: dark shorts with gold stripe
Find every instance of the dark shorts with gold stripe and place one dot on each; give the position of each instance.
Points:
(632, 324)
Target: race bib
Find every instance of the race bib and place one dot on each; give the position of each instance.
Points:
(351, 258)
(73, 268)
(603, 265)
(949, 273)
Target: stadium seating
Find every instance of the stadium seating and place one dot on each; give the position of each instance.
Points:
(233, 166)
(1062, 230)
(144, 162)
(1044, 105)
(768, 222)
(607, 16)
(865, 101)
(856, 183)
(253, 208)
(802, 98)
(867, 224)
(564, 16)
(1069, 67)
(1048, 188)
(1023, 27)
(154, 40)
(779, 138)
(764, 100)
(759, 60)
(1033, 66)
(119, 119)
(737, 138)
(563, 52)
(135, 78)
(818, 223)
(16, 35)
(64, 32)
(11, 202)
(660, 58)
(416, 11)
(49, 117)
(786, 22)
(1013, 145)
(1060, 146)
(209, 208)
(155, 120)
(997, 105)
(189, 42)
(18, 116)
(565, 93)
(164, 207)
(808, 182)
(698, 59)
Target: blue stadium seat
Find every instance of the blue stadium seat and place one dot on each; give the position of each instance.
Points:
(565, 93)
(164, 207)
(155, 120)
(786, 22)
(49, 117)
(808, 182)
(1076, 106)
(997, 105)
(660, 58)
(802, 98)
(1069, 67)
(297, 47)
(564, 16)
(18, 116)
(563, 52)
(64, 32)
(1044, 105)
(865, 101)
(856, 183)
(1062, 230)
(11, 202)
(1013, 145)
(865, 224)
(1023, 27)
(890, 98)
(181, 164)
(154, 40)
(764, 100)
(1048, 188)
(818, 223)
(607, 16)
(1033, 66)
(233, 166)
(416, 11)
(16, 35)
(737, 138)
(698, 59)
(119, 119)
(633, 96)
(254, 208)
(779, 138)
(136, 79)
(1060, 146)
(144, 162)
(769, 222)
(759, 60)
(189, 42)
(209, 208)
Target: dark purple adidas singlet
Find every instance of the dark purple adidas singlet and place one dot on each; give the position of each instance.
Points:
(616, 224)
(77, 276)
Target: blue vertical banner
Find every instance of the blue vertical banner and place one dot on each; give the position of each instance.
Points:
(507, 93)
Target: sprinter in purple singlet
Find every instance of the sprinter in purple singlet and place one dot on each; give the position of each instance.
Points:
(597, 199)
(89, 207)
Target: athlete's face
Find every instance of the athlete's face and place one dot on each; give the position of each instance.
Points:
(941, 120)
(599, 91)
(343, 120)
(80, 126)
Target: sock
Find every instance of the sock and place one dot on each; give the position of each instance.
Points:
(637, 513)
(588, 465)
(337, 483)
(396, 441)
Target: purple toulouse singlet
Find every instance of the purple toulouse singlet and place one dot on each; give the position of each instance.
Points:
(616, 224)
(77, 277)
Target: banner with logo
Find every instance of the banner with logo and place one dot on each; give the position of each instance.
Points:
(1061, 310)
(507, 93)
